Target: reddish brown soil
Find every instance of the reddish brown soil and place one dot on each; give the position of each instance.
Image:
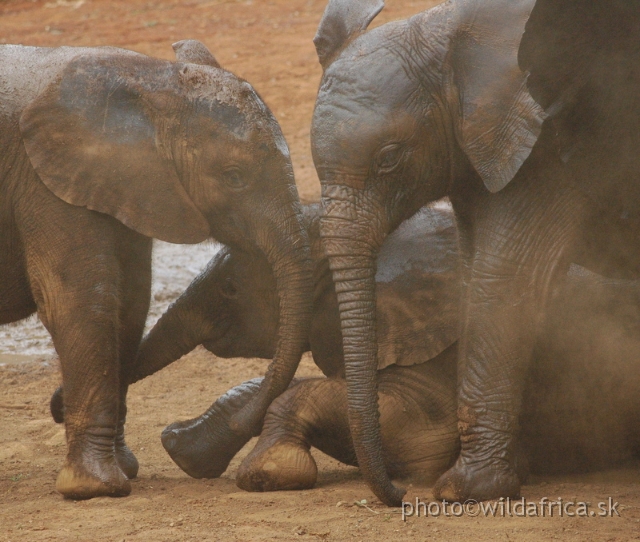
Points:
(269, 44)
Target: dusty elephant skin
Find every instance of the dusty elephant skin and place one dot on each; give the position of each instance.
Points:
(581, 397)
(103, 149)
(230, 309)
(437, 105)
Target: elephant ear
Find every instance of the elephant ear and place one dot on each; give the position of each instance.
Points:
(418, 289)
(565, 44)
(97, 135)
(195, 52)
(500, 121)
(342, 21)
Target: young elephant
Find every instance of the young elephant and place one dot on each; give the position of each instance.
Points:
(535, 142)
(580, 406)
(103, 149)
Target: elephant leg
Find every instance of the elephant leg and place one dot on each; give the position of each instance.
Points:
(417, 419)
(135, 264)
(16, 301)
(281, 458)
(522, 237)
(74, 276)
(204, 446)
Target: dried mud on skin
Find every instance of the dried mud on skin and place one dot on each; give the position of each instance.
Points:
(269, 44)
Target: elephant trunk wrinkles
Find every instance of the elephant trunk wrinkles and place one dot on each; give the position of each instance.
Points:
(354, 278)
(180, 329)
(291, 263)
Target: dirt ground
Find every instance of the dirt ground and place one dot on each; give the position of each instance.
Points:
(269, 44)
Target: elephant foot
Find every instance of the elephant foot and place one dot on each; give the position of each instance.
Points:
(282, 466)
(126, 459)
(477, 481)
(204, 446)
(92, 479)
(181, 442)
(198, 451)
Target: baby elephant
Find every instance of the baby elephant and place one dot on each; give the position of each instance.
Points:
(101, 150)
(580, 406)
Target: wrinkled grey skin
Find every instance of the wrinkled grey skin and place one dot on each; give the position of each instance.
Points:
(231, 309)
(437, 105)
(581, 403)
(103, 149)
(581, 399)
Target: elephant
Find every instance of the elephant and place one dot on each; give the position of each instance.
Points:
(104, 149)
(580, 407)
(539, 177)
(232, 310)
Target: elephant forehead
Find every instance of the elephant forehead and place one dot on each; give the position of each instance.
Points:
(338, 126)
(214, 120)
(211, 115)
(371, 72)
(348, 136)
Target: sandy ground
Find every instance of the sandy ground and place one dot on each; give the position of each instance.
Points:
(268, 43)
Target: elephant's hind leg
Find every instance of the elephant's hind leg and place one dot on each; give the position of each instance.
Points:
(417, 418)
(313, 413)
(16, 301)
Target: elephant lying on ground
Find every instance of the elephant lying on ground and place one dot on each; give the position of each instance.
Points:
(581, 403)
(103, 149)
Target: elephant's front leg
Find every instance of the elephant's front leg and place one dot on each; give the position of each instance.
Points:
(417, 419)
(520, 244)
(204, 446)
(75, 279)
(312, 413)
(134, 253)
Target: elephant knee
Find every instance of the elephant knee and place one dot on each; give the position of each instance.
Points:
(286, 465)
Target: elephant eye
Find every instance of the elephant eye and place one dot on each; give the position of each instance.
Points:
(234, 178)
(389, 157)
(228, 289)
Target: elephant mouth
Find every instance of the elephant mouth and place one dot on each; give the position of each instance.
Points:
(219, 342)
(228, 343)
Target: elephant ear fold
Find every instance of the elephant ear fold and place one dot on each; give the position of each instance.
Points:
(341, 22)
(96, 137)
(500, 121)
(194, 52)
(418, 289)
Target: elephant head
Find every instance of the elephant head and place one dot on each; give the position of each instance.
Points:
(231, 308)
(180, 151)
(406, 114)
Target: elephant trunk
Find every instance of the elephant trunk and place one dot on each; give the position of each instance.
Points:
(352, 262)
(287, 250)
(178, 331)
